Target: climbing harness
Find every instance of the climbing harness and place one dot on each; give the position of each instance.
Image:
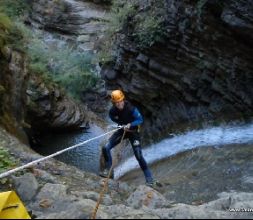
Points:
(105, 184)
(5, 174)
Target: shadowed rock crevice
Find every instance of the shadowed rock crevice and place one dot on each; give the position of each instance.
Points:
(50, 109)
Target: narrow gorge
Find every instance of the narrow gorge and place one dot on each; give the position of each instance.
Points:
(186, 65)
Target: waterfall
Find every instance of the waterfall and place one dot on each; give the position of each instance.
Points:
(214, 136)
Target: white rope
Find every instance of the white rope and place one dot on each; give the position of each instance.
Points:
(5, 174)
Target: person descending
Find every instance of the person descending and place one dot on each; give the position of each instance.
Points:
(125, 114)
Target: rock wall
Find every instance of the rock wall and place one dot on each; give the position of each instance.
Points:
(29, 103)
(81, 21)
(50, 109)
(200, 72)
(13, 82)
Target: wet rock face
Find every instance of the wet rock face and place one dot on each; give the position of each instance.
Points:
(13, 81)
(96, 99)
(26, 100)
(82, 20)
(201, 71)
(49, 108)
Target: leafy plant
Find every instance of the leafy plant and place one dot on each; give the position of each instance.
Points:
(14, 34)
(15, 8)
(11, 12)
(5, 22)
(77, 82)
(67, 67)
(5, 26)
(118, 18)
(143, 26)
(6, 160)
(105, 53)
(149, 30)
(119, 15)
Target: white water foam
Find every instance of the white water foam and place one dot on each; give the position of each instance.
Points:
(215, 136)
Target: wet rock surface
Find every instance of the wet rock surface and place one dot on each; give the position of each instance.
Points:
(82, 21)
(97, 99)
(198, 176)
(13, 82)
(74, 194)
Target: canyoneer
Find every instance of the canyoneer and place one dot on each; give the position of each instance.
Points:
(125, 114)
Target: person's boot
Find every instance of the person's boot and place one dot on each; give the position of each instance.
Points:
(105, 173)
(153, 183)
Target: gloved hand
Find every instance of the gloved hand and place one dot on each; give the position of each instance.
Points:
(127, 127)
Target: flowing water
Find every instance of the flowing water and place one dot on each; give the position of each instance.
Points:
(214, 136)
(87, 157)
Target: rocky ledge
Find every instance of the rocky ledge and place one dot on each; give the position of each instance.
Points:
(53, 190)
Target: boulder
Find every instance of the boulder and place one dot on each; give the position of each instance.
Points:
(146, 196)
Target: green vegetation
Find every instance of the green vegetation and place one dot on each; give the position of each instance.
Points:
(15, 8)
(67, 67)
(118, 18)
(5, 22)
(149, 30)
(6, 160)
(12, 33)
(11, 15)
(5, 26)
(120, 13)
(142, 27)
(9, 38)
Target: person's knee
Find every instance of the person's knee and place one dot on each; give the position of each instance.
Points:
(136, 144)
(106, 150)
(138, 153)
(107, 147)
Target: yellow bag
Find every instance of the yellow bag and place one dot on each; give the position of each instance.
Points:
(11, 207)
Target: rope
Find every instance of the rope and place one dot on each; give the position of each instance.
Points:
(102, 192)
(120, 157)
(5, 174)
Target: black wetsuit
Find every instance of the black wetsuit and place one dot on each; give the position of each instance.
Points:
(129, 114)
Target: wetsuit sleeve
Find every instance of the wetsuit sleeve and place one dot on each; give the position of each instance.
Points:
(138, 119)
